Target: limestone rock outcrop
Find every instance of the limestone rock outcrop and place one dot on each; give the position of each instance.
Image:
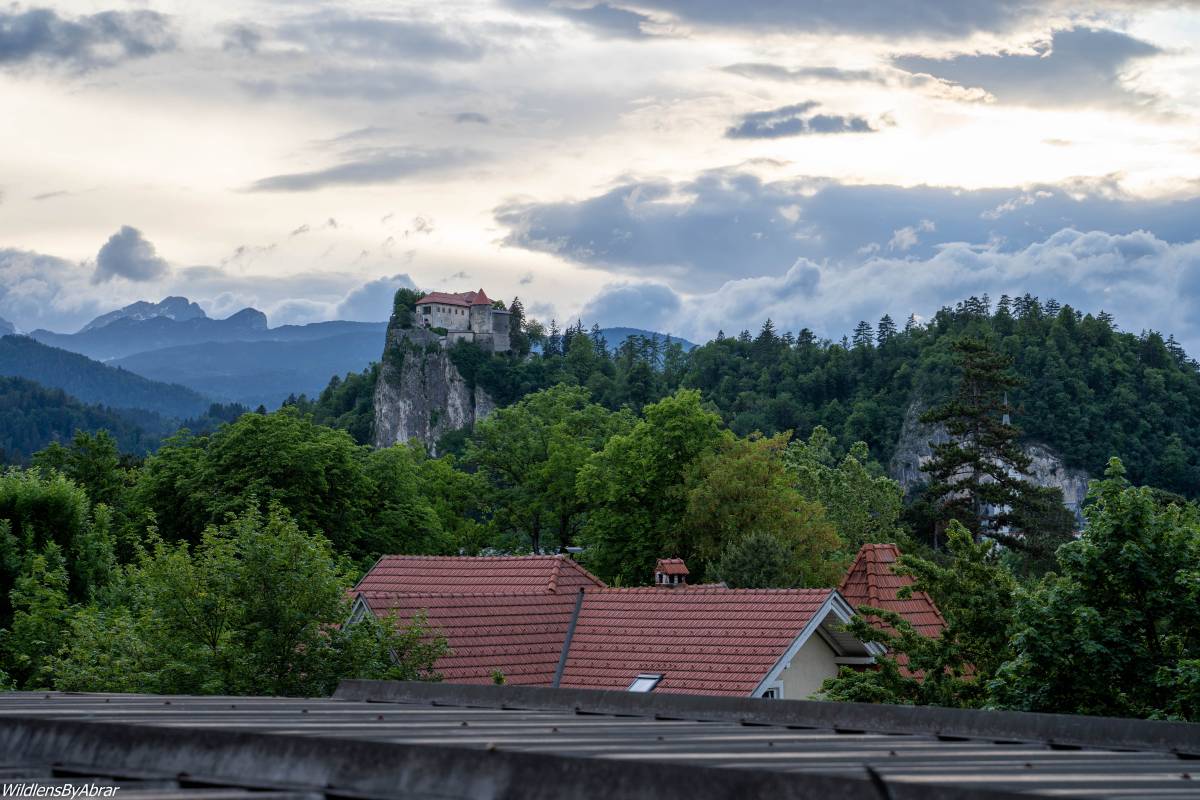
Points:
(913, 450)
(420, 394)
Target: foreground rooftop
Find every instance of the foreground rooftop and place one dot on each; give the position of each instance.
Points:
(413, 740)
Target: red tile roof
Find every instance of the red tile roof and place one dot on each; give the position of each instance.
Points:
(479, 298)
(870, 581)
(494, 574)
(521, 635)
(702, 641)
(671, 566)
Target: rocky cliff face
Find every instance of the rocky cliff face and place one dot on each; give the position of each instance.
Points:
(420, 393)
(913, 450)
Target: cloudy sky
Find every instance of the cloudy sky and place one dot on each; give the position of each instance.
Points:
(683, 165)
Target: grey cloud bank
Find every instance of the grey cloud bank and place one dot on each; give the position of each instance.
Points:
(1146, 282)
(727, 224)
(1077, 67)
(42, 36)
(795, 120)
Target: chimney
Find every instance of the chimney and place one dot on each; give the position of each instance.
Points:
(670, 572)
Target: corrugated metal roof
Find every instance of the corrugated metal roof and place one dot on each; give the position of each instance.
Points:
(433, 740)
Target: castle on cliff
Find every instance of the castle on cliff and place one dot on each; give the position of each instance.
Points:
(466, 317)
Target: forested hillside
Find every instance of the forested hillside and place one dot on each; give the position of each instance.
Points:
(1088, 389)
(92, 382)
(32, 416)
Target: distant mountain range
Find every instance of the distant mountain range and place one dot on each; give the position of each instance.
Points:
(6, 327)
(179, 309)
(257, 373)
(239, 359)
(95, 383)
(126, 335)
(614, 337)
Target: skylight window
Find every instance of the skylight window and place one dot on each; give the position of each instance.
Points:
(645, 682)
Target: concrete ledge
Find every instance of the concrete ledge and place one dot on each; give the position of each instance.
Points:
(1066, 729)
(371, 769)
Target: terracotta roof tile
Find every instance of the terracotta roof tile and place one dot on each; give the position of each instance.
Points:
(448, 574)
(520, 635)
(707, 641)
(671, 566)
(870, 581)
(479, 298)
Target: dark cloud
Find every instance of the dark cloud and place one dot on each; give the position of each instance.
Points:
(372, 302)
(1145, 281)
(608, 20)
(127, 254)
(639, 305)
(40, 35)
(369, 166)
(473, 117)
(795, 120)
(1077, 67)
(727, 224)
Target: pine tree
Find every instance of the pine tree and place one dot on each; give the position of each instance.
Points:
(554, 340)
(863, 335)
(885, 330)
(911, 324)
(978, 476)
(599, 345)
(1052, 307)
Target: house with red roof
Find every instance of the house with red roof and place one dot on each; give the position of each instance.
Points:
(546, 621)
(466, 316)
(870, 581)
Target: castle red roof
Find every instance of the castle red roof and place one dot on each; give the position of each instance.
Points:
(870, 581)
(702, 641)
(487, 574)
(465, 299)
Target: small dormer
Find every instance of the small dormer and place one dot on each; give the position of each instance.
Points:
(670, 572)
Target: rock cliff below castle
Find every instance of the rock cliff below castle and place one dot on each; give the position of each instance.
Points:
(420, 394)
(913, 450)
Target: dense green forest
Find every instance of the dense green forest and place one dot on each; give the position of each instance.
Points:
(1087, 389)
(92, 382)
(32, 416)
(751, 457)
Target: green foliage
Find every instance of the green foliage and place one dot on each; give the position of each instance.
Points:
(861, 502)
(40, 511)
(314, 472)
(978, 476)
(976, 595)
(32, 417)
(756, 561)
(1088, 390)
(1117, 631)
(39, 602)
(257, 607)
(404, 307)
(743, 487)
(346, 404)
(529, 455)
(636, 490)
